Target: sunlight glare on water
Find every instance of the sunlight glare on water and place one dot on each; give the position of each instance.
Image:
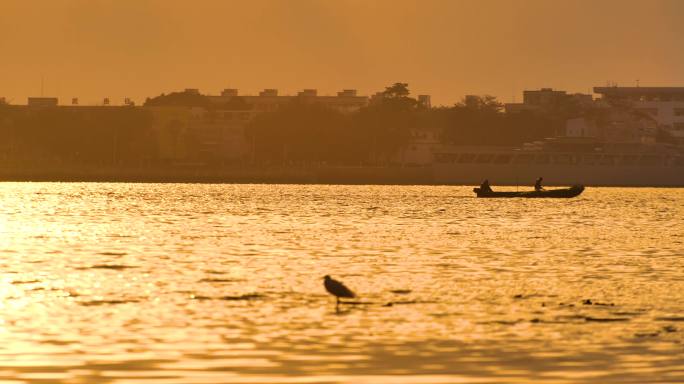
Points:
(192, 283)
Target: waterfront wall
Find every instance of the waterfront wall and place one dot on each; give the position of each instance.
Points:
(241, 174)
(439, 174)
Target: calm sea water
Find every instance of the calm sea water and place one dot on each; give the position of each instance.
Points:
(185, 283)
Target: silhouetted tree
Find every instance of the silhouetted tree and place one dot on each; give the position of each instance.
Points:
(386, 123)
(310, 132)
(94, 136)
(236, 103)
(396, 91)
(180, 99)
(485, 103)
(478, 120)
(302, 132)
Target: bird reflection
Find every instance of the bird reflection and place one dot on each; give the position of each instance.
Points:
(337, 289)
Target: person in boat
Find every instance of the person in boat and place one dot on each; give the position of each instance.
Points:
(538, 185)
(484, 187)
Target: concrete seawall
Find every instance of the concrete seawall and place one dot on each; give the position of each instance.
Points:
(287, 175)
(449, 174)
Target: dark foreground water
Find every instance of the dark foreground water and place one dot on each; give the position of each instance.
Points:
(184, 283)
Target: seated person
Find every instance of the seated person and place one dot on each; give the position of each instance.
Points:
(484, 187)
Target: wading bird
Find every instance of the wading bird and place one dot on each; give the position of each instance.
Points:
(337, 289)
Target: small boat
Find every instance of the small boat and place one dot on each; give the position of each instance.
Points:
(573, 191)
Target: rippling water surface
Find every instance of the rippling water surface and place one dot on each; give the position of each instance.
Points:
(185, 283)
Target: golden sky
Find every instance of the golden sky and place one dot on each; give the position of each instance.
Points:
(447, 48)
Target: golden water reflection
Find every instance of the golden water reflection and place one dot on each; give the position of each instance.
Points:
(123, 283)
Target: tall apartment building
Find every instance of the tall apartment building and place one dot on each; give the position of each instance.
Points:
(664, 104)
(547, 99)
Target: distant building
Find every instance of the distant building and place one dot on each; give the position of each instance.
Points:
(266, 93)
(421, 148)
(308, 93)
(424, 101)
(581, 127)
(192, 134)
(206, 128)
(216, 131)
(614, 124)
(346, 101)
(347, 93)
(228, 92)
(42, 102)
(664, 104)
(547, 100)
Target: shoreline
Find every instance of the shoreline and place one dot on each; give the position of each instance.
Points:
(227, 175)
(321, 175)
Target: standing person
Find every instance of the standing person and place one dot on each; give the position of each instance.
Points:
(538, 184)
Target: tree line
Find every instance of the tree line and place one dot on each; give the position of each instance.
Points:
(53, 136)
(301, 132)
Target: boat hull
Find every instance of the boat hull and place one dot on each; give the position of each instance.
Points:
(552, 193)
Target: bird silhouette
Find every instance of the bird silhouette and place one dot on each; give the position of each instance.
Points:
(337, 289)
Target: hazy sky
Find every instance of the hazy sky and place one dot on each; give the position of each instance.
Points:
(96, 48)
